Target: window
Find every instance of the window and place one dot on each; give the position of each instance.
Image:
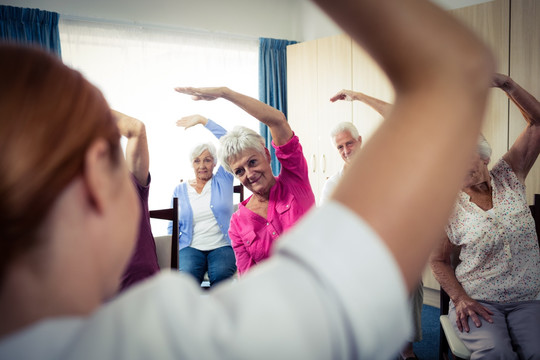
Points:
(137, 69)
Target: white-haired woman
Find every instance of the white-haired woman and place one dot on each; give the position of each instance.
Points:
(277, 202)
(205, 206)
(498, 275)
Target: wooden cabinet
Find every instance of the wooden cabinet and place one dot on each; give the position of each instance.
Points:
(490, 21)
(302, 94)
(371, 80)
(525, 69)
(512, 31)
(316, 70)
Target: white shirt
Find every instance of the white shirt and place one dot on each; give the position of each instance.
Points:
(207, 234)
(329, 186)
(332, 290)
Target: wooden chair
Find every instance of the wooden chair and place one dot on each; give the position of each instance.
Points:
(239, 189)
(448, 339)
(167, 243)
(167, 246)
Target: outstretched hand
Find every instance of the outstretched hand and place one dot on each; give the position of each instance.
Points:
(191, 120)
(343, 95)
(207, 93)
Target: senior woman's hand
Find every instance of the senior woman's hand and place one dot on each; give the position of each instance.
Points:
(205, 93)
(499, 80)
(468, 307)
(191, 120)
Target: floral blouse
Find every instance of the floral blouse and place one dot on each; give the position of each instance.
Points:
(500, 259)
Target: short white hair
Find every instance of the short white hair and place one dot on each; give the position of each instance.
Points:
(199, 149)
(236, 141)
(483, 148)
(342, 127)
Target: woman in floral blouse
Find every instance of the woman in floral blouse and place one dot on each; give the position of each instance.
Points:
(498, 275)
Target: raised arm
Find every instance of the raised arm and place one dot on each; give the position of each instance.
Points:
(382, 107)
(137, 157)
(440, 101)
(188, 121)
(524, 152)
(440, 262)
(273, 118)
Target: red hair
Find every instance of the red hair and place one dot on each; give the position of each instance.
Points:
(49, 116)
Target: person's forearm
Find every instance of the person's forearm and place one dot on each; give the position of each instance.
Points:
(137, 157)
(444, 274)
(259, 110)
(380, 106)
(268, 115)
(527, 103)
(129, 126)
(217, 130)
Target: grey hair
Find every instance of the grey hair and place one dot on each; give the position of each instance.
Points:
(199, 149)
(236, 141)
(342, 127)
(483, 148)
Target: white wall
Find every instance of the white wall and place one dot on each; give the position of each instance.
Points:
(282, 19)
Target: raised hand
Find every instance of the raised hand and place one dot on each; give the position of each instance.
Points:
(191, 120)
(206, 93)
(499, 80)
(343, 95)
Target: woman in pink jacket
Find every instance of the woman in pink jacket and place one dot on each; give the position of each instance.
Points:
(277, 201)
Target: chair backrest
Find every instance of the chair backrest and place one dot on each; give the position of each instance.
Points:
(170, 214)
(167, 246)
(239, 189)
(535, 211)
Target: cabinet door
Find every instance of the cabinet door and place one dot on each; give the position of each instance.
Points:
(525, 69)
(490, 21)
(371, 80)
(334, 73)
(302, 98)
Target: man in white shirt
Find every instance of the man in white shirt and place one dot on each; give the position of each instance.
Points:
(347, 140)
(345, 136)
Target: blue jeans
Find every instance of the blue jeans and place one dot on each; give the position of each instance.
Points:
(220, 263)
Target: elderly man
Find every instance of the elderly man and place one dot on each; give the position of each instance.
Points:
(347, 140)
(345, 136)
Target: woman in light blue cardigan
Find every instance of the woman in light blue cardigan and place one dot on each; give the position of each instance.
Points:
(205, 206)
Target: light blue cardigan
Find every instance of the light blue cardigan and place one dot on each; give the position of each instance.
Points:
(221, 200)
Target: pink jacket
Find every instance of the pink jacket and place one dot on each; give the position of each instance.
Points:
(291, 197)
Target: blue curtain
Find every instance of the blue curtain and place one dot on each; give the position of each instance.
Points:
(273, 84)
(30, 26)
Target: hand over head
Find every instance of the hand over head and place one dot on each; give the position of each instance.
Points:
(207, 93)
(343, 95)
(499, 80)
(191, 120)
